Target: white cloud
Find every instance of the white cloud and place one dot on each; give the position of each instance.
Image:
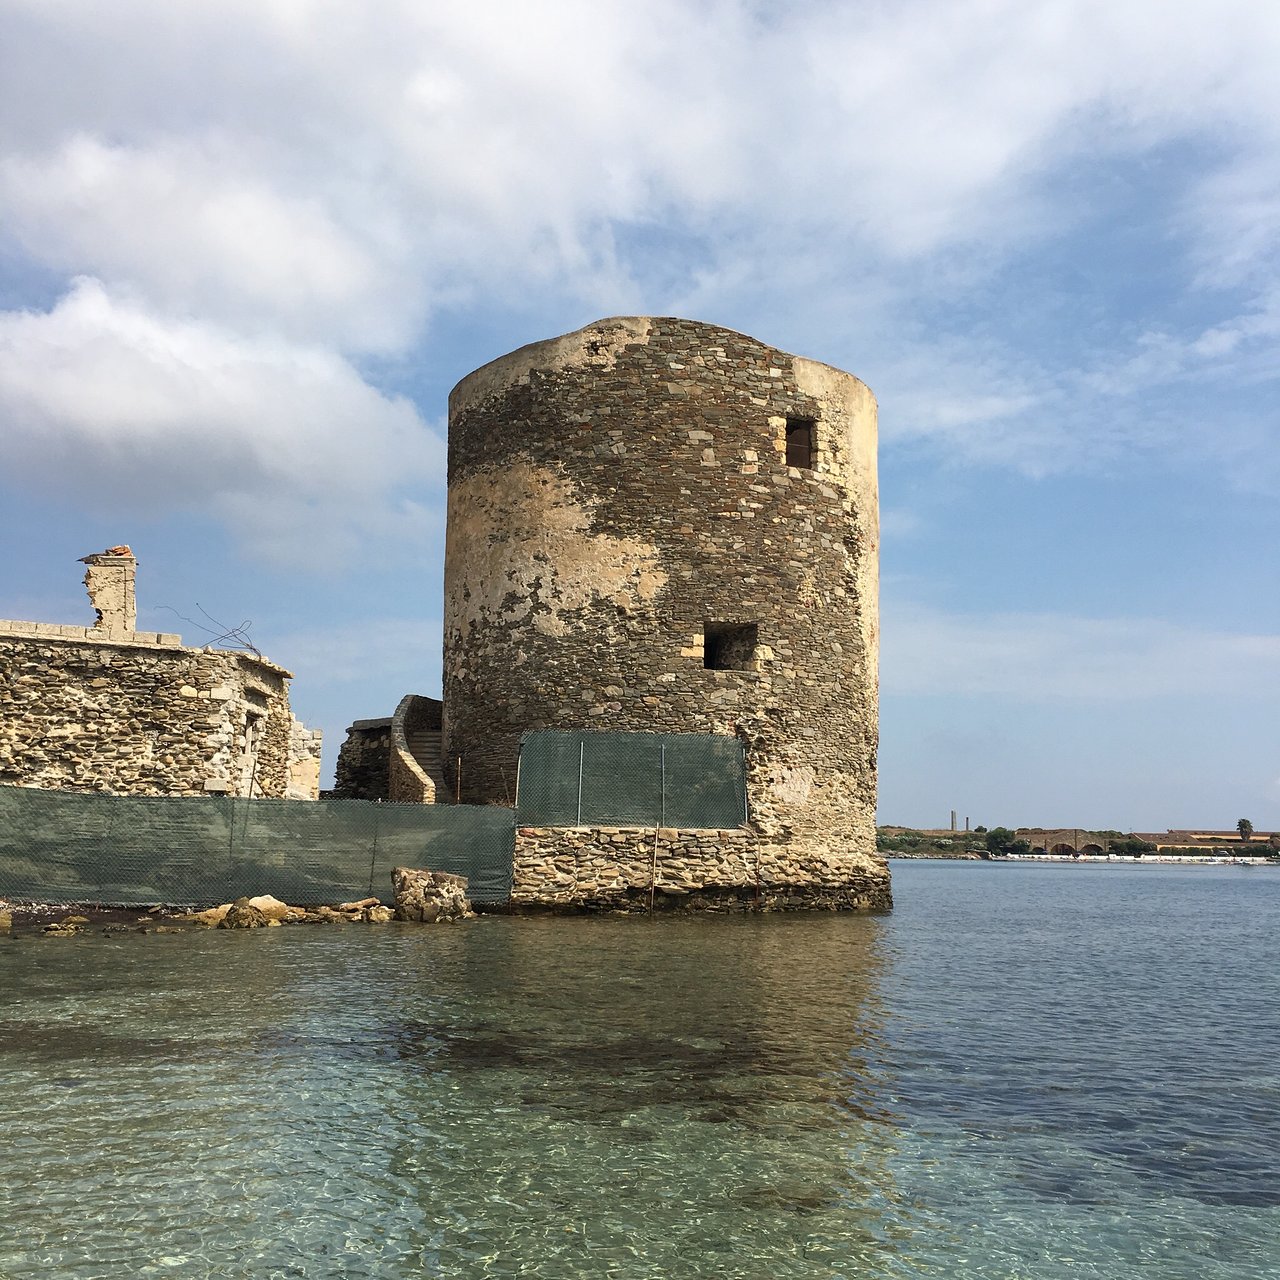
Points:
(181, 223)
(101, 399)
(291, 183)
(453, 142)
(1052, 657)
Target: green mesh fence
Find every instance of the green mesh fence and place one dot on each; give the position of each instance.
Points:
(58, 846)
(571, 778)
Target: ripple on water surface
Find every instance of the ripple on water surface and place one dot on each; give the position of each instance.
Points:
(1022, 1072)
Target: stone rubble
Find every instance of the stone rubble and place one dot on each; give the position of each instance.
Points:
(425, 896)
(430, 896)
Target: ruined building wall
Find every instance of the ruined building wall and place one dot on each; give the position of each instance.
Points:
(108, 708)
(304, 761)
(139, 717)
(629, 548)
(364, 762)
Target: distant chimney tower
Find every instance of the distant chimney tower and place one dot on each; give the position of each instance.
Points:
(110, 581)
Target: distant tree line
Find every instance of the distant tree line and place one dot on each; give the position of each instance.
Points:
(910, 843)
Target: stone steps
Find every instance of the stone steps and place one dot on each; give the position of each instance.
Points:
(425, 747)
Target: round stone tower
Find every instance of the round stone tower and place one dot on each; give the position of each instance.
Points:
(656, 524)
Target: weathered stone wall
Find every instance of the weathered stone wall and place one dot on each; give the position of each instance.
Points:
(621, 516)
(304, 761)
(612, 868)
(408, 782)
(364, 761)
(140, 715)
(110, 580)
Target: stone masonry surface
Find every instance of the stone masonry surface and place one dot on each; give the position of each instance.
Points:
(612, 868)
(136, 713)
(629, 548)
(364, 762)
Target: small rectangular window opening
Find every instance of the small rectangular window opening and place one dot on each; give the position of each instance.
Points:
(729, 646)
(800, 442)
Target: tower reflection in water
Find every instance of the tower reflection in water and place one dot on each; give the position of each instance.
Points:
(704, 1097)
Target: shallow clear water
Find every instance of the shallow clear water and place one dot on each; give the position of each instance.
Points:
(1023, 1072)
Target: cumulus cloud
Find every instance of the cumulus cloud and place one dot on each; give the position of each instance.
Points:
(300, 186)
(184, 225)
(1053, 657)
(509, 135)
(102, 399)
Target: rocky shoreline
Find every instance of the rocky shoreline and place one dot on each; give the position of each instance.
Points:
(421, 897)
(937, 855)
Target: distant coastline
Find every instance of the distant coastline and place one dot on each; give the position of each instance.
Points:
(1115, 859)
(1076, 844)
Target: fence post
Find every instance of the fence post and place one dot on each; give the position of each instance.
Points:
(582, 751)
(373, 853)
(662, 765)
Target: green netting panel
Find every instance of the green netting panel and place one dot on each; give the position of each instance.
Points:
(59, 846)
(571, 778)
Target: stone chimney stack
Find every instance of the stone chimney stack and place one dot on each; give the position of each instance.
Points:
(110, 580)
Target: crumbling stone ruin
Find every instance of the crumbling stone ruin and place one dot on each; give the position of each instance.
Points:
(661, 525)
(429, 896)
(113, 709)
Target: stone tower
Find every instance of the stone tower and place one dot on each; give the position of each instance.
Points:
(657, 524)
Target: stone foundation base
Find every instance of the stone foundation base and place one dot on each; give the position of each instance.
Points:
(596, 869)
(713, 900)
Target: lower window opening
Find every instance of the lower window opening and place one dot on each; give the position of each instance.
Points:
(729, 646)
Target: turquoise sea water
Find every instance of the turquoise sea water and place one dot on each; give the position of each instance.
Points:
(1034, 1071)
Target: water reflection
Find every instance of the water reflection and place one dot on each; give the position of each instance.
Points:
(667, 1097)
(559, 1098)
(1058, 1076)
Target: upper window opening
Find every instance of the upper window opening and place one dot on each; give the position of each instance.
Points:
(729, 646)
(800, 442)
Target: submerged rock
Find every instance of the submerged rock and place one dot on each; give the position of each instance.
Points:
(428, 896)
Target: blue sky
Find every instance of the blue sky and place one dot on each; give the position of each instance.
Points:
(246, 248)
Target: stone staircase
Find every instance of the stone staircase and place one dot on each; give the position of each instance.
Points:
(424, 747)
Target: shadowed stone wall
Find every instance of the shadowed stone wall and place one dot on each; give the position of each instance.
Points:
(629, 547)
(364, 762)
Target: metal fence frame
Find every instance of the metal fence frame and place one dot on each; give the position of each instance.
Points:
(567, 778)
(60, 846)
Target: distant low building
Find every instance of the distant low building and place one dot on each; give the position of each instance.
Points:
(112, 709)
